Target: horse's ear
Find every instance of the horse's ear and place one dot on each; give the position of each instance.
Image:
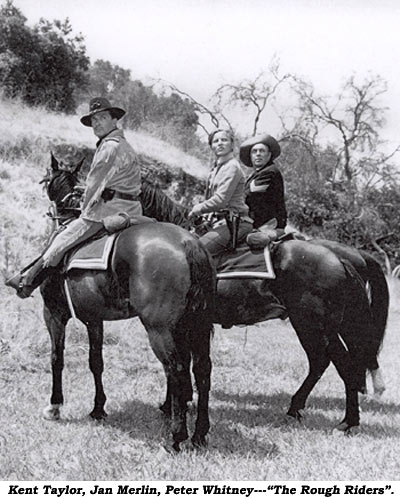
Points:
(54, 163)
(78, 166)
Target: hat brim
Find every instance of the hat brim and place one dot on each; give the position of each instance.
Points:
(265, 139)
(117, 112)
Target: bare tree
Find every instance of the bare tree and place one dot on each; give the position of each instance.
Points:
(256, 93)
(216, 117)
(357, 117)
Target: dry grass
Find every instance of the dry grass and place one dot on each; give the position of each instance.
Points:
(255, 372)
(26, 131)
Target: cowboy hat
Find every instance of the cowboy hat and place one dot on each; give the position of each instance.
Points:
(99, 104)
(265, 139)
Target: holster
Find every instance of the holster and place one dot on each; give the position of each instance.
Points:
(233, 223)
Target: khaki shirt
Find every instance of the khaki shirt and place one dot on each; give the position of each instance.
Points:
(115, 166)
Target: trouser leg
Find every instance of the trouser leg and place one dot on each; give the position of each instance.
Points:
(218, 240)
(77, 231)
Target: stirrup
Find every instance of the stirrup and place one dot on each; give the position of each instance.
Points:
(17, 283)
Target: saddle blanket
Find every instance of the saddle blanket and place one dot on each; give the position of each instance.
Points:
(247, 263)
(244, 263)
(94, 255)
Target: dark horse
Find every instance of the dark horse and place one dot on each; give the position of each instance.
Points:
(317, 284)
(325, 298)
(163, 275)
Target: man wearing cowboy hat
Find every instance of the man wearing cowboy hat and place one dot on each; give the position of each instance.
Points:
(264, 189)
(112, 187)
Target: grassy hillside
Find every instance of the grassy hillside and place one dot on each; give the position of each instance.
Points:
(27, 138)
(255, 370)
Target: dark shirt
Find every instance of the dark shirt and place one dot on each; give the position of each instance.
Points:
(265, 196)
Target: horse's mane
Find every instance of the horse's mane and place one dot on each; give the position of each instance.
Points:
(156, 204)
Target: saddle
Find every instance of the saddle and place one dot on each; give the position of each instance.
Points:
(95, 254)
(253, 258)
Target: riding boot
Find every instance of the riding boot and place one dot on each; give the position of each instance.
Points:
(26, 283)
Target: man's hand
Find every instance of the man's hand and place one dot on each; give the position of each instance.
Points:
(195, 212)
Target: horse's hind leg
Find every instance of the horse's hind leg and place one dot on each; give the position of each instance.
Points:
(55, 323)
(166, 406)
(314, 345)
(96, 364)
(175, 363)
(347, 369)
(202, 371)
(318, 362)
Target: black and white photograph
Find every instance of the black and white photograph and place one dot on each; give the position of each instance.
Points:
(199, 247)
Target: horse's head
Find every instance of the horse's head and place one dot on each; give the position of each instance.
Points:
(60, 184)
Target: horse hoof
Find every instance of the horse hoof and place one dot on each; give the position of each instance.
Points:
(295, 416)
(199, 442)
(172, 449)
(166, 409)
(348, 430)
(98, 414)
(51, 412)
(377, 382)
(379, 391)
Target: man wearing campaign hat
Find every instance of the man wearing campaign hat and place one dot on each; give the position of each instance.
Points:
(112, 187)
(264, 189)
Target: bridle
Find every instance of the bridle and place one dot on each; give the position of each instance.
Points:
(62, 211)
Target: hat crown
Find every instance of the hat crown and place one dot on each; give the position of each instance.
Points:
(98, 103)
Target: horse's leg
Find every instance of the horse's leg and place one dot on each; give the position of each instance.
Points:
(166, 406)
(318, 362)
(178, 381)
(345, 366)
(55, 323)
(377, 381)
(202, 372)
(307, 328)
(96, 364)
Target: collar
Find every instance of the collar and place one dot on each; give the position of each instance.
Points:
(264, 167)
(116, 132)
(222, 160)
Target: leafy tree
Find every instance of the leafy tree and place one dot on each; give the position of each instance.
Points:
(106, 78)
(139, 101)
(168, 115)
(17, 51)
(45, 65)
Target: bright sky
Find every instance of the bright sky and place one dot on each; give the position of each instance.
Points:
(200, 44)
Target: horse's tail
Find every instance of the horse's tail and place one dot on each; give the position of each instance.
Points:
(202, 292)
(379, 302)
(358, 331)
(196, 325)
